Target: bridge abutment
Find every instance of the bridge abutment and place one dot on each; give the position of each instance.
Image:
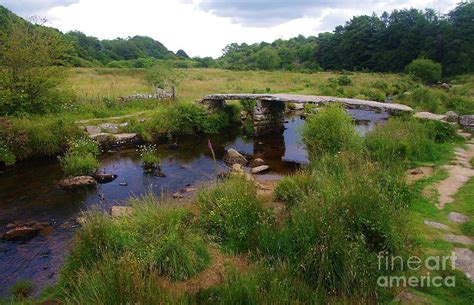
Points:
(268, 118)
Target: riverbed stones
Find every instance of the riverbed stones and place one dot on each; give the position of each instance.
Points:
(22, 233)
(467, 121)
(104, 178)
(435, 225)
(458, 239)
(257, 162)
(232, 156)
(457, 217)
(452, 116)
(465, 262)
(119, 211)
(79, 181)
(260, 169)
(237, 168)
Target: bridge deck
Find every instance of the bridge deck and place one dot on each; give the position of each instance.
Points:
(312, 99)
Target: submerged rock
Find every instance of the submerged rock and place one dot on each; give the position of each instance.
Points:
(232, 156)
(80, 181)
(260, 169)
(22, 233)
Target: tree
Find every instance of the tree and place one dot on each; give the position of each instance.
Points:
(31, 56)
(425, 69)
(181, 54)
(267, 59)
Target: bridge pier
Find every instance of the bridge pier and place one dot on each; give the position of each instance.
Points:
(268, 117)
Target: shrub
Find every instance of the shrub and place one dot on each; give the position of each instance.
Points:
(232, 213)
(425, 69)
(344, 80)
(353, 210)
(74, 164)
(374, 94)
(330, 130)
(6, 156)
(31, 73)
(441, 132)
(156, 237)
(80, 159)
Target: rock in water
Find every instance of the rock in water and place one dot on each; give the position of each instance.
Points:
(80, 181)
(260, 169)
(105, 178)
(232, 157)
(22, 233)
(257, 162)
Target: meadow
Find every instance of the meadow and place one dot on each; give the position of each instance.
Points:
(314, 240)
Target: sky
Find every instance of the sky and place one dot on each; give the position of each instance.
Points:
(205, 27)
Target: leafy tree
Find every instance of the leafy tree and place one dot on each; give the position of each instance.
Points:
(31, 56)
(181, 54)
(267, 59)
(425, 69)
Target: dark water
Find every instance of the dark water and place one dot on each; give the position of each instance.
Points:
(28, 191)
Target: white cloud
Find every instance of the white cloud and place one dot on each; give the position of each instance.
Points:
(203, 27)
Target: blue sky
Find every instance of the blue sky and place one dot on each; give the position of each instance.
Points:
(204, 27)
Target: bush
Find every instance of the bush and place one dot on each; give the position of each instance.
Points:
(31, 74)
(330, 130)
(80, 159)
(232, 213)
(74, 164)
(407, 140)
(344, 80)
(353, 210)
(425, 69)
(156, 237)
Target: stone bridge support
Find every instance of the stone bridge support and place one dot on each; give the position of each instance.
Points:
(268, 118)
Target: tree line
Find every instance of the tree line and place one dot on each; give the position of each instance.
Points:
(386, 43)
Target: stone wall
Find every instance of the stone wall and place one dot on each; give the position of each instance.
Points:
(268, 117)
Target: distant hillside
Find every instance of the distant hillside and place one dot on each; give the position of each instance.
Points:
(92, 51)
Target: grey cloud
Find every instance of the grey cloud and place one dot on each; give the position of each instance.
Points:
(268, 12)
(27, 8)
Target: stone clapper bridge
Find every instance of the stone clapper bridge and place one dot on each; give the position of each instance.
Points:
(268, 114)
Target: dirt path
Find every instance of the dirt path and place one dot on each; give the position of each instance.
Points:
(460, 171)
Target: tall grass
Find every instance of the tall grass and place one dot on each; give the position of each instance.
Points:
(232, 213)
(155, 240)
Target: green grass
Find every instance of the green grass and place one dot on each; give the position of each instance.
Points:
(232, 213)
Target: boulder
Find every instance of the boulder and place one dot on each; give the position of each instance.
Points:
(104, 178)
(22, 233)
(257, 162)
(452, 116)
(93, 130)
(80, 181)
(260, 169)
(431, 116)
(232, 157)
(457, 217)
(118, 211)
(467, 121)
